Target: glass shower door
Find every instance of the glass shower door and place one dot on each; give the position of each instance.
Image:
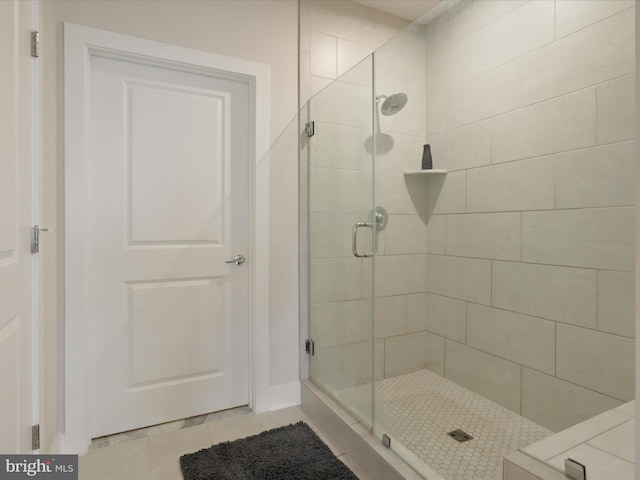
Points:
(341, 240)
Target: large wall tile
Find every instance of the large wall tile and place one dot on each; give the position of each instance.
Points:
(482, 373)
(596, 177)
(492, 93)
(436, 230)
(521, 185)
(445, 195)
(484, 235)
(405, 353)
(366, 278)
(340, 147)
(416, 312)
(556, 404)
(411, 120)
(405, 234)
(340, 323)
(461, 278)
(436, 115)
(446, 317)
(400, 63)
(462, 148)
(304, 60)
(526, 340)
(617, 110)
(405, 153)
(342, 103)
(343, 191)
(572, 16)
(390, 316)
(342, 366)
(601, 238)
(563, 123)
(465, 19)
(316, 84)
(522, 30)
(557, 293)
(599, 361)
(400, 274)
(350, 53)
(330, 235)
(401, 194)
(594, 55)
(324, 50)
(617, 302)
(335, 279)
(435, 353)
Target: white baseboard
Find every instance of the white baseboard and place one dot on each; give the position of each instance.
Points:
(283, 396)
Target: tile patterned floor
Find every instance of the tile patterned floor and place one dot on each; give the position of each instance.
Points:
(155, 456)
(419, 408)
(416, 410)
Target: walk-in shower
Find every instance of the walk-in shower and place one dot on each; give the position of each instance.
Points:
(499, 299)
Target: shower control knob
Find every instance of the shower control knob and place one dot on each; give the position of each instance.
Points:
(238, 260)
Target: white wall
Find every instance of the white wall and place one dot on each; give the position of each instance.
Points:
(264, 31)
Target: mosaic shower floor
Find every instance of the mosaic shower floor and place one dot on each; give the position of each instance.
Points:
(418, 409)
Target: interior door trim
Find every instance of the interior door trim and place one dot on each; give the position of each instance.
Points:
(80, 45)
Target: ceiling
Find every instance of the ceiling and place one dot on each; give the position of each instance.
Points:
(407, 9)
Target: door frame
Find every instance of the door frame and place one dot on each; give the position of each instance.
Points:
(80, 45)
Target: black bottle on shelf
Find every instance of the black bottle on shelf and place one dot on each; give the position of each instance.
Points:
(427, 161)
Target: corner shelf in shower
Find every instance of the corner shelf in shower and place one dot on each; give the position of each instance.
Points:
(426, 172)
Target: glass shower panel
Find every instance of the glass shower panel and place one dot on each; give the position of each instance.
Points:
(403, 346)
(341, 240)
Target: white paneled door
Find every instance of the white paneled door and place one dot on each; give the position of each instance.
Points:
(167, 211)
(15, 223)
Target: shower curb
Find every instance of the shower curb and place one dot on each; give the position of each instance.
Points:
(351, 437)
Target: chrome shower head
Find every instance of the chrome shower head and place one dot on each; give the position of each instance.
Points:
(393, 103)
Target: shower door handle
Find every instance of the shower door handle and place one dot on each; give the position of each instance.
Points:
(354, 240)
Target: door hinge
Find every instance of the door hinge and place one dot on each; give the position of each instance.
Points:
(310, 347)
(35, 437)
(310, 129)
(35, 44)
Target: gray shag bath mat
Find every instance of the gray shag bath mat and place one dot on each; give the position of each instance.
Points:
(293, 452)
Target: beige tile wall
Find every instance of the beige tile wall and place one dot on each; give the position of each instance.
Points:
(401, 261)
(530, 238)
(512, 275)
(334, 36)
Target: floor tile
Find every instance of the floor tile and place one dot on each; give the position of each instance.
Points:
(156, 456)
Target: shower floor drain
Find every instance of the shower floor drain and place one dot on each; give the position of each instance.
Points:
(460, 436)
